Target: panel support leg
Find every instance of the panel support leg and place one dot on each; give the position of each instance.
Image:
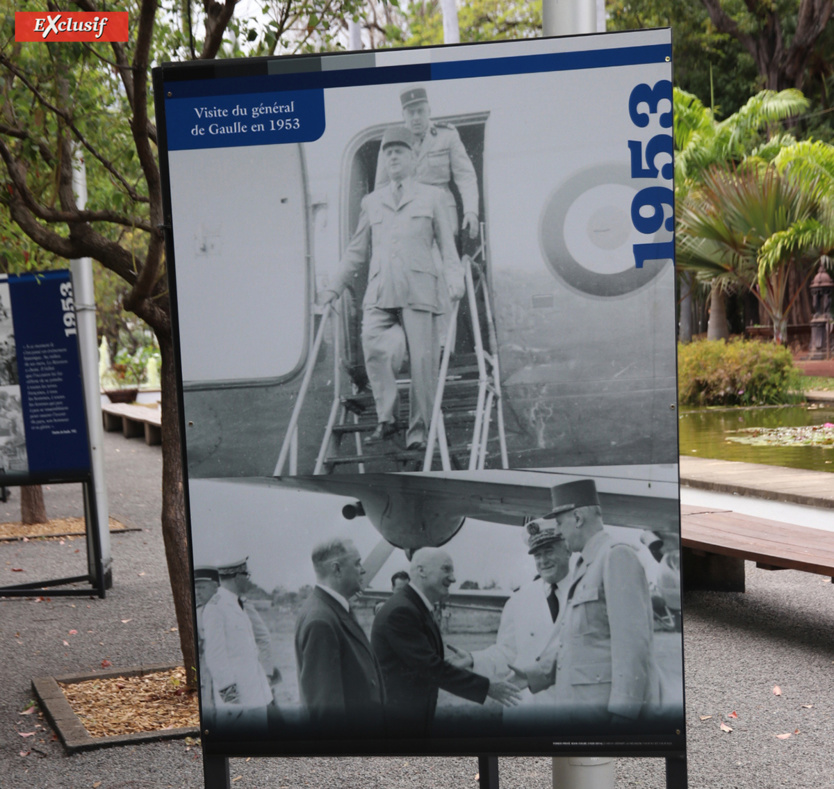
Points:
(216, 772)
(676, 772)
(487, 772)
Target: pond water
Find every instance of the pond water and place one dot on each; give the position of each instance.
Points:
(703, 433)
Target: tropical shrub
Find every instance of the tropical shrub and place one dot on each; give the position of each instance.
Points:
(738, 372)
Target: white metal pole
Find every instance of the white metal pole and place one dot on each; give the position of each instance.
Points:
(564, 18)
(85, 309)
(451, 29)
(354, 35)
(569, 17)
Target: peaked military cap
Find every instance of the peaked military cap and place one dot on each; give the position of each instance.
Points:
(398, 135)
(538, 533)
(571, 495)
(233, 568)
(413, 95)
(206, 573)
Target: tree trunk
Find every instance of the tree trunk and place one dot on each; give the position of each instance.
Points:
(685, 331)
(780, 329)
(174, 531)
(717, 328)
(32, 507)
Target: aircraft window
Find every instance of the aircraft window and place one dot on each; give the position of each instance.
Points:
(256, 249)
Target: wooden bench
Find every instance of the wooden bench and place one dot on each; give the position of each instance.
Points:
(133, 420)
(717, 542)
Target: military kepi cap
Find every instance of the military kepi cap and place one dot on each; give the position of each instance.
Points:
(571, 495)
(538, 533)
(233, 568)
(206, 574)
(413, 96)
(397, 135)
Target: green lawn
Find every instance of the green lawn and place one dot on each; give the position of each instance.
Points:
(813, 382)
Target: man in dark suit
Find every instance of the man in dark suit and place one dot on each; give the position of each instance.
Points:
(338, 676)
(409, 648)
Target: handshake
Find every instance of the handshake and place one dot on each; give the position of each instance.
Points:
(504, 691)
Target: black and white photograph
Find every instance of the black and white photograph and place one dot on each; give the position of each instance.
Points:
(8, 350)
(442, 607)
(427, 355)
(450, 274)
(13, 457)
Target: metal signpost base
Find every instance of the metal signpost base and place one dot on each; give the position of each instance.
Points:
(99, 577)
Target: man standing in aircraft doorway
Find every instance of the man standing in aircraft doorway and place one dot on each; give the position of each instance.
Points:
(439, 158)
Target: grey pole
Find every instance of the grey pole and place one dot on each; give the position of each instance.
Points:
(451, 29)
(562, 18)
(85, 309)
(354, 35)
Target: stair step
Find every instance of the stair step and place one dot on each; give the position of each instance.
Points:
(454, 418)
(395, 454)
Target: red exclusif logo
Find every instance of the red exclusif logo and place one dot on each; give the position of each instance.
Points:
(57, 26)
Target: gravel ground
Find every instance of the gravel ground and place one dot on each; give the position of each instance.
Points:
(738, 647)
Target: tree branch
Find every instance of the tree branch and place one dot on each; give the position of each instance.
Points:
(150, 272)
(66, 117)
(218, 16)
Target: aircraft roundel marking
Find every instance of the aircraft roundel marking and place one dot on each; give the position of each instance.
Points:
(587, 236)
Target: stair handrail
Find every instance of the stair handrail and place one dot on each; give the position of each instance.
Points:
(310, 364)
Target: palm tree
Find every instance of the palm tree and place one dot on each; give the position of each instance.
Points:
(735, 214)
(702, 142)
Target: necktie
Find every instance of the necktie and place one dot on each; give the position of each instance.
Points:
(553, 603)
(398, 193)
(576, 582)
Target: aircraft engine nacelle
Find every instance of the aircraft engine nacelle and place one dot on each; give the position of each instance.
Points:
(411, 521)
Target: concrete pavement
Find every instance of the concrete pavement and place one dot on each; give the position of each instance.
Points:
(737, 648)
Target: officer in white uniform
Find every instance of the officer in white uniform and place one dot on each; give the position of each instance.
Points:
(529, 616)
(240, 688)
(206, 583)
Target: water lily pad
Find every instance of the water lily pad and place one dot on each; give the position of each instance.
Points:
(810, 435)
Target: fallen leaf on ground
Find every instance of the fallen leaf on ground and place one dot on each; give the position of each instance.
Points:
(125, 621)
(66, 643)
(783, 736)
(807, 706)
(96, 784)
(106, 664)
(705, 717)
(725, 727)
(237, 778)
(25, 753)
(777, 691)
(17, 569)
(26, 733)
(73, 632)
(140, 574)
(733, 714)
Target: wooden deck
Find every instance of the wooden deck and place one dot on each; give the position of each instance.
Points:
(717, 542)
(134, 421)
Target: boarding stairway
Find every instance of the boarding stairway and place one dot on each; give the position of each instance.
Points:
(467, 417)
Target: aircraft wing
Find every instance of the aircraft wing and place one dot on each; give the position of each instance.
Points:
(415, 510)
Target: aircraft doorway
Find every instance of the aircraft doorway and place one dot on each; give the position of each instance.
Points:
(359, 176)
